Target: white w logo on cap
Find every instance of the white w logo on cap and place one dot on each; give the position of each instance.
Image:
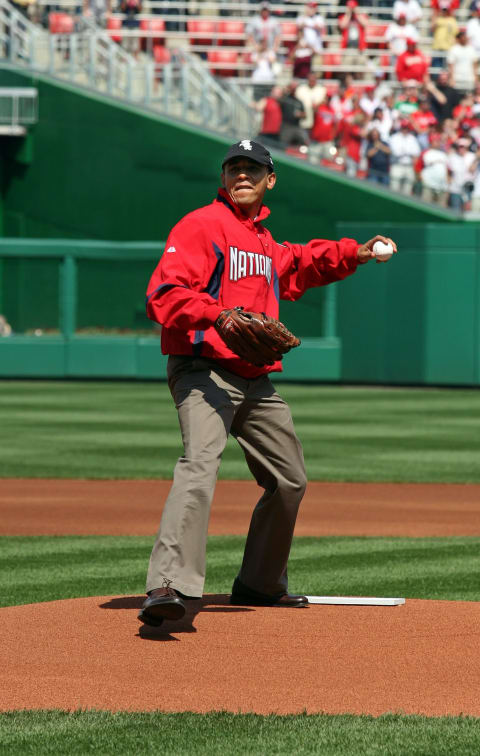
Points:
(246, 144)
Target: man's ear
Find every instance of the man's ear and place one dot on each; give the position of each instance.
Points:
(271, 179)
(222, 179)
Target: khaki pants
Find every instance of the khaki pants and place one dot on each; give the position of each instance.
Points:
(212, 403)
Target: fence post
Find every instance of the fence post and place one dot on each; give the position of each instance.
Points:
(329, 312)
(68, 296)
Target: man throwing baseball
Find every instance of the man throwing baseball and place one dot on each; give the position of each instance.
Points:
(216, 292)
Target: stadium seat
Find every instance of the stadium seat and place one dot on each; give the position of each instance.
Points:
(161, 54)
(155, 24)
(289, 33)
(60, 23)
(206, 28)
(227, 57)
(331, 59)
(384, 61)
(235, 31)
(375, 36)
(115, 23)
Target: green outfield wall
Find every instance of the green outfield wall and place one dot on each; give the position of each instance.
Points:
(77, 309)
(416, 319)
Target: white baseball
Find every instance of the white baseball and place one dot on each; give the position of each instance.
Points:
(382, 251)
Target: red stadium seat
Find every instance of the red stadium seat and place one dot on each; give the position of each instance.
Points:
(331, 59)
(235, 31)
(375, 36)
(60, 23)
(289, 33)
(115, 23)
(155, 24)
(161, 54)
(207, 30)
(229, 58)
(384, 61)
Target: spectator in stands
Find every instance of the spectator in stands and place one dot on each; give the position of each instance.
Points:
(462, 64)
(412, 65)
(404, 152)
(382, 121)
(407, 102)
(5, 327)
(272, 115)
(433, 170)
(460, 165)
(323, 133)
(352, 131)
(435, 6)
(97, 9)
(473, 27)
(409, 8)
(423, 121)
(264, 29)
(311, 94)
(352, 26)
(378, 157)
(26, 7)
(398, 31)
(292, 114)
(463, 114)
(444, 30)
(300, 56)
(443, 97)
(476, 184)
(312, 25)
(263, 74)
(369, 102)
(131, 8)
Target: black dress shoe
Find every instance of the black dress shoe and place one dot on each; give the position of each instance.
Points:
(242, 595)
(162, 604)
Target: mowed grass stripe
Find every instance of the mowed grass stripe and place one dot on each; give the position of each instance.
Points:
(39, 733)
(47, 568)
(129, 430)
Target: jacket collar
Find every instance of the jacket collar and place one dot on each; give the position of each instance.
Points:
(224, 198)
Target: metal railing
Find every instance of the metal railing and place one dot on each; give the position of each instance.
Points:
(18, 109)
(182, 88)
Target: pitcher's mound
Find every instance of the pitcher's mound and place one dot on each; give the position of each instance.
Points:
(420, 658)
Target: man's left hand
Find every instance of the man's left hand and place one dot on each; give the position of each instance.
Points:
(365, 251)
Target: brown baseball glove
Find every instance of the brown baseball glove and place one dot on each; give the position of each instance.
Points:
(254, 336)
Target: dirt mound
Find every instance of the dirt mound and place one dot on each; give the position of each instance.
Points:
(422, 658)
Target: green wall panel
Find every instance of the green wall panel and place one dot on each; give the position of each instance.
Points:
(102, 357)
(38, 357)
(414, 319)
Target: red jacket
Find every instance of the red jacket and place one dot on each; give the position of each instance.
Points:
(216, 258)
(411, 65)
(362, 43)
(324, 126)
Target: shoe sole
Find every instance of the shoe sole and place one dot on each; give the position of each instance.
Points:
(162, 612)
(250, 602)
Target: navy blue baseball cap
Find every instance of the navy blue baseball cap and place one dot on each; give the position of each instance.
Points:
(252, 150)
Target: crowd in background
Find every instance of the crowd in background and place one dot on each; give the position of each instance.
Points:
(416, 129)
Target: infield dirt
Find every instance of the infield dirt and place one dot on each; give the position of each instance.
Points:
(420, 658)
(133, 507)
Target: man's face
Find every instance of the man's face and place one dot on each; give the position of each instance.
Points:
(246, 181)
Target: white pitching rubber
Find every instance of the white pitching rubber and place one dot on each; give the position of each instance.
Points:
(356, 600)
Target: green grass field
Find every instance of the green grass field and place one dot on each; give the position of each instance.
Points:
(129, 430)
